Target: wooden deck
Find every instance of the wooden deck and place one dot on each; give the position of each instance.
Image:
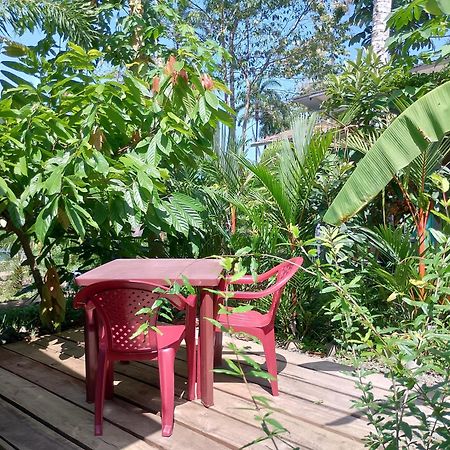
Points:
(42, 403)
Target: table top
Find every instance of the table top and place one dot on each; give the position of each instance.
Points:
(199, 272)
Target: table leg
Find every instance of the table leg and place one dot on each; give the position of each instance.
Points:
(206, 348)
(217, 335)
(91, 348)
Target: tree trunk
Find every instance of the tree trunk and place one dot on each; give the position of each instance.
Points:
(380, 31)
(25, 243)
(248, 89)
(232, 97)
(137, 8)
(233, 219)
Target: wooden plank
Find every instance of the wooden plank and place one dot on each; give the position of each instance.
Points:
(325, 379)
(26, 433)
(4, 445)
(64, 416)
(211, 421)
(291, 420)
(309, 424)
(292, 362)
(307, 361)
(297, 388)
(40, 368)
(191, 414)
(310, 411)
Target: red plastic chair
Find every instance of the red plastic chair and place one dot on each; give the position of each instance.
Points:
(115, 304)
(255, 323)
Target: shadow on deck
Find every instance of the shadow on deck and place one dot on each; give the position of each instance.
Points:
(42, 403)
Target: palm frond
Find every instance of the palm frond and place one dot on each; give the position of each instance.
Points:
(362, 141)
(183, 212)
(273, 186)
(428, 162)
(393, 244)
(73, 20)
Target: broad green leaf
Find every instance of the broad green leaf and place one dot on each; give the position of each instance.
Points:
(239, 274)
(241, 309)
(211, 99)
(15, 78)
(142, 329)
(204, 112)
(45, 218)
(75, 220)
(102, 165)
(261, 374)
(137, 86)
(5, 191)
(21, 167)
(409, 135)
(146, 310)
(226, 263)
(243, 251)
(233, 366)
(85, 214)
(443, 5)
(144, 181)
(117, 118)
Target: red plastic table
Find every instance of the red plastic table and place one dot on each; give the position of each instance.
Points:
(202, 273)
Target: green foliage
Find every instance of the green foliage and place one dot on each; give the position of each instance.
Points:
(288, 177)
(88, 156)
(369, 93)
(415, 411)
(20, 323)
(93, 123)
(420, 25)
(72, 20)
(361, 17)
(405, 338)
(412, 138)
(269, 39)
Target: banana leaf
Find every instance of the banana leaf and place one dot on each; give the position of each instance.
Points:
(410, 135)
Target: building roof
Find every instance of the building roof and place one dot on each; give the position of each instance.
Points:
(287, 134)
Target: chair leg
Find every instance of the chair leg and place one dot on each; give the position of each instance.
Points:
(197, 374)
(109, 390)
(100, 392)
(166, 362)
(268, 342)
(189, 338)
(218, 349)
(91, 350)
(192, 369)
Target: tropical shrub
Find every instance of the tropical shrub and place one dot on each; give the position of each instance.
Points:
(412, 351)
(409, 151)
(369, 93)
(87, 158)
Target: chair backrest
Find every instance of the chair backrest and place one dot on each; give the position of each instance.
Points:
(286, 270)
(116, 304)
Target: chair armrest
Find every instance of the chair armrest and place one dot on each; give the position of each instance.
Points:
(246, 279)
(242, 295)
(191, 300)
(249, 279)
